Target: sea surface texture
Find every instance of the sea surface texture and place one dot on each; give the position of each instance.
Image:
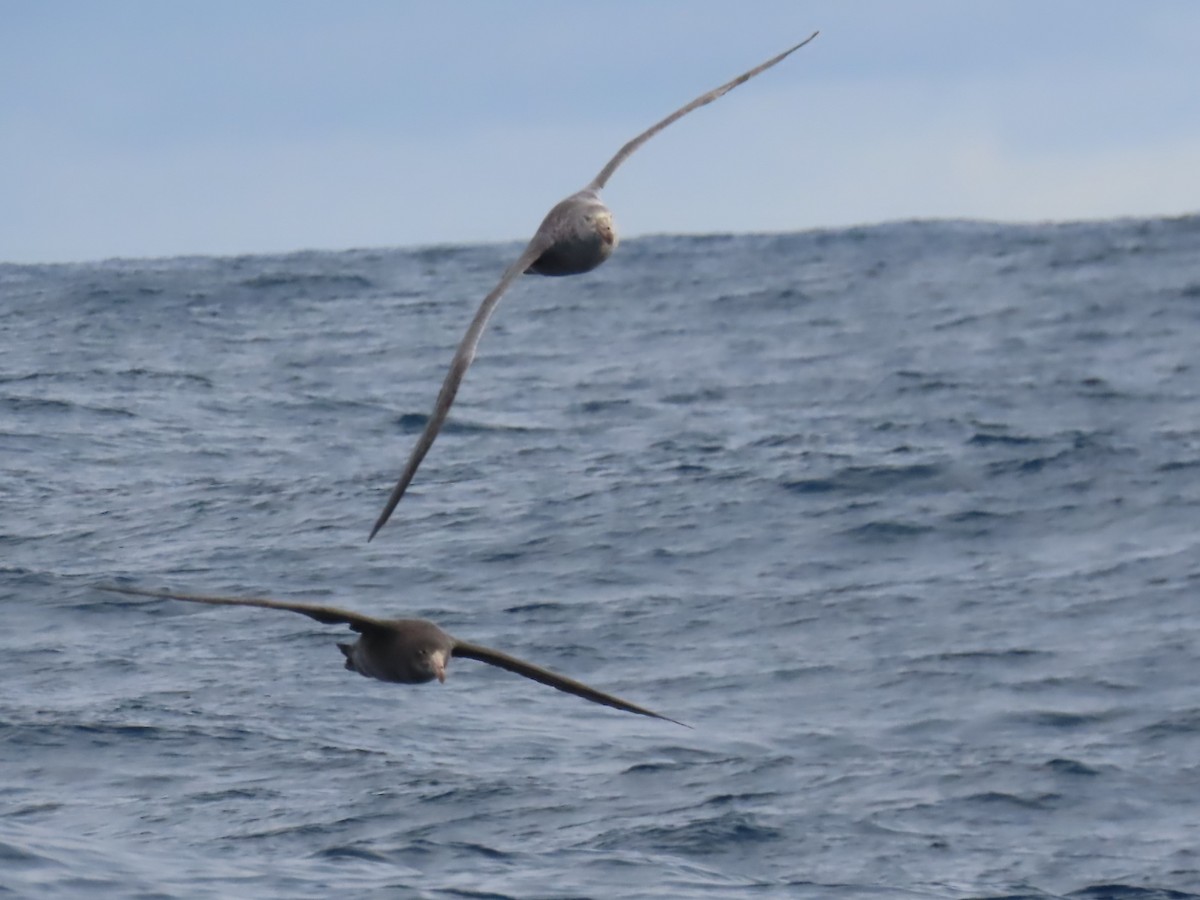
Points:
(903, 520)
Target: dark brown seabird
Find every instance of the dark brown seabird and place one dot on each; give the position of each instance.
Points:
(407, 651)
(576, 236)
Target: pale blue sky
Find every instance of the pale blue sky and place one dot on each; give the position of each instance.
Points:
(157, 128)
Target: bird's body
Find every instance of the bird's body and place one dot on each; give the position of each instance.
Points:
(406, 651)
(584, 236)
(577, 235)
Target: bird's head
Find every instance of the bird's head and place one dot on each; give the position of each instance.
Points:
(432, 663)
(602, 221)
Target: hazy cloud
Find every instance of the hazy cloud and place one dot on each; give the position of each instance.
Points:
(140, 128)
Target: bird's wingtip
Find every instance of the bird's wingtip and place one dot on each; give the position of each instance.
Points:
(379, 523)
(112, 588)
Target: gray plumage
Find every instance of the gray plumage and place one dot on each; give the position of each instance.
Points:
(576, 236)
(406, 651)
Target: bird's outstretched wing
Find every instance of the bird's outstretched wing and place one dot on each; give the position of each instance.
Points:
(327, 615)
(625, 152)
(553, 679)
(458, 368)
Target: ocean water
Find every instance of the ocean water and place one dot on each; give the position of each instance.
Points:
(902, 519)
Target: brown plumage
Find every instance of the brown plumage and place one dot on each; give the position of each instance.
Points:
(577, 235)
(406, 651)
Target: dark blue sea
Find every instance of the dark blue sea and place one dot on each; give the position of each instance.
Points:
(904, 520)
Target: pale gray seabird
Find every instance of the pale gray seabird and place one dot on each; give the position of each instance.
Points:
(576, 236)
(406, 651)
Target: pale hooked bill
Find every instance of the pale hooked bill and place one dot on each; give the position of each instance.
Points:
(577, 235)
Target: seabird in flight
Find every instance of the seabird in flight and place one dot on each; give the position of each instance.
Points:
(576, 236)
(407, 651)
